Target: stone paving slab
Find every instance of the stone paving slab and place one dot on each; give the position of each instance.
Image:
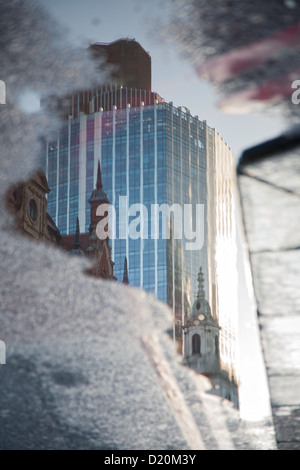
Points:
(273, 228)
(287, 422)
(280, 354)
(275, 278)
(270, 205)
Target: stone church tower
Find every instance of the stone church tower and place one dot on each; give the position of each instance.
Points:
(201, 347)
(201, 335)
(100, 249)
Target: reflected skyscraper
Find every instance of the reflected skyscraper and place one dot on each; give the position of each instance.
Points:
(151, 153)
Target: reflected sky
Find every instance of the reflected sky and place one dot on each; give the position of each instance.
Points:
(173, 77)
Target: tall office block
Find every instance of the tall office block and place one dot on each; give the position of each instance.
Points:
(129, 80)
(155, 154)
(131, 64)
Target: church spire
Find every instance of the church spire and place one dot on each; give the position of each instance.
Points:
(125, 273)
(201, 292)
(99, 184)
(77, 250)
(77, 236)
(98, 195)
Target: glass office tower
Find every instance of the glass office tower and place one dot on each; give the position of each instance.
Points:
(151, 155)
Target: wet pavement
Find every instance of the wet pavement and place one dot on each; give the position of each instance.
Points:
(90, 366)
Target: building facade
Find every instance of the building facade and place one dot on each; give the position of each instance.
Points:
(155, 154)
(27, 202)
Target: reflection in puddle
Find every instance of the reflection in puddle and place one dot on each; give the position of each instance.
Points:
(175, 174)
(154, 154)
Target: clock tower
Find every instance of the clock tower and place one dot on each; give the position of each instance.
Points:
(201, 335)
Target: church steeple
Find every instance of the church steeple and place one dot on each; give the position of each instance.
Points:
(201, 334)
(98, 195)
(125, 273)
(98, 198)
(77, 246)
(99, 248)
(99, 184)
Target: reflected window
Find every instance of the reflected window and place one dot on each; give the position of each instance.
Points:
(216, 346)
(32, 209)
(196, 344)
